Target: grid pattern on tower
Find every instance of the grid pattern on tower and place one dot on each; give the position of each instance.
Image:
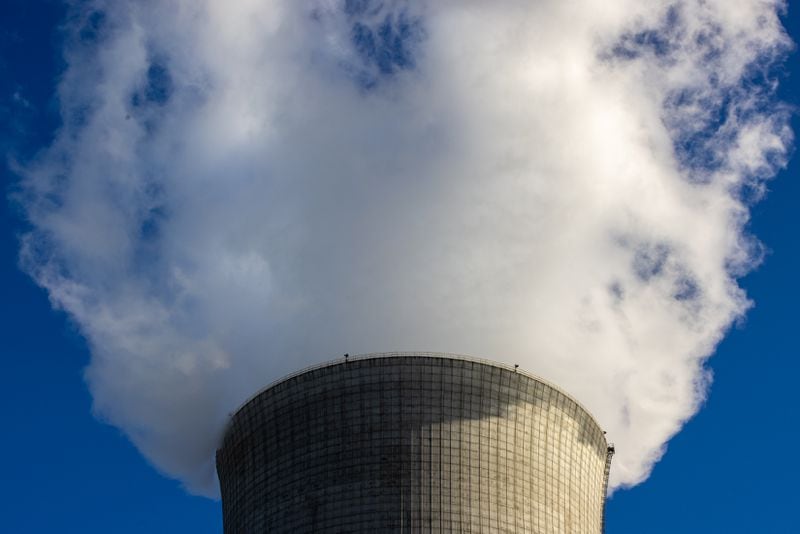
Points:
(412, 444)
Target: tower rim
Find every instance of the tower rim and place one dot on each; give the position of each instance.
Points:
(347, 359)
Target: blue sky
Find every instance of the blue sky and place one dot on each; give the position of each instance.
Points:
(733, 468)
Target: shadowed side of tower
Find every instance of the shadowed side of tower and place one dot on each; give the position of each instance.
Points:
(412, 443)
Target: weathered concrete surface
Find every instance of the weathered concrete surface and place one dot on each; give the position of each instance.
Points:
(412, 443)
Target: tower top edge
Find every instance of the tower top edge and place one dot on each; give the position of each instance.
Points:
(412, 354)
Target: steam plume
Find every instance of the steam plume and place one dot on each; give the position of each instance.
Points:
(242, 188)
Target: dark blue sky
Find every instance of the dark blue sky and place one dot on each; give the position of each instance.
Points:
(734, 468)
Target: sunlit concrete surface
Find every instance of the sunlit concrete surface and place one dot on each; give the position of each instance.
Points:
(412, 443)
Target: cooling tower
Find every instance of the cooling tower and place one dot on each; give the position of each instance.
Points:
(413, 442)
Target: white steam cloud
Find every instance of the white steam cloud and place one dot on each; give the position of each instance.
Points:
(243, 188)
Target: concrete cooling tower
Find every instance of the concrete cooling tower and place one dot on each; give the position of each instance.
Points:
(413, 442)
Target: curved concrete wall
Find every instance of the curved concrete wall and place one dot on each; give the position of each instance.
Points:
(412, 443)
